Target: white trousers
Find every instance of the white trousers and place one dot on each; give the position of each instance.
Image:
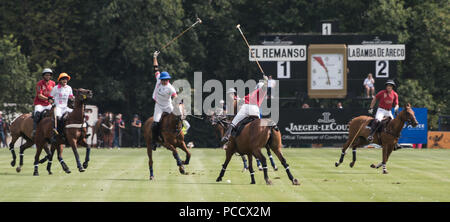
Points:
(159, 111)
(246, 110)
(381, 113)
(41, 108)
(59, 111)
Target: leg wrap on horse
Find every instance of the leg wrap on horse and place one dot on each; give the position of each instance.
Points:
(151, 171)
(177, 158)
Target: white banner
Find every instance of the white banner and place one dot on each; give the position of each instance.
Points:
(277, 53)
(376, 52)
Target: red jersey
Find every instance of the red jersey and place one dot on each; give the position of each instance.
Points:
(387, 100)
(256, 97)
(44, 88)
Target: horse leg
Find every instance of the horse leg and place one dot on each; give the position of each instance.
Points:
(245, 163)
(261, 157)
(344, 149)
(60, 159)
(188, 154)
(228, 155)
(250, 168)
(150, 160)
(11, 148)
(50, 159)
(386, 155)
(354, 157)
(73, 144)
(177, 157)
(36, 160)
(258, 163)
(23, 147)
(84, 143)
(271, 159)
(286, 166)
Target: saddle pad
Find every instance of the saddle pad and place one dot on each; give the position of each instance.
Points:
(383, 125)
(240, 126)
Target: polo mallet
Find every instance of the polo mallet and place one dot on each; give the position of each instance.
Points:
(182, 33)
(248, 45)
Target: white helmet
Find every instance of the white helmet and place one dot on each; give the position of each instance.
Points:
(231, 90)
(47, 70)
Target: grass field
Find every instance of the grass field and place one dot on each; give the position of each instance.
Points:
(122, 175)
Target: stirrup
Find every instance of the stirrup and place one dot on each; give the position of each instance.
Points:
(370, 138)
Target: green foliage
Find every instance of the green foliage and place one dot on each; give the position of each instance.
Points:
(16, 80)
(106, 45)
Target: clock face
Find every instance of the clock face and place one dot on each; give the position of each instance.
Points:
(327, 71)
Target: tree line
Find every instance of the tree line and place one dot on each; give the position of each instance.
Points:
(107, 45)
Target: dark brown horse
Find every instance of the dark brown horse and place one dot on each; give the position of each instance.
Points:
(172, 137)
(22, 126)
(255, 135)
(74, 132)
(104, 130)
(387, 138)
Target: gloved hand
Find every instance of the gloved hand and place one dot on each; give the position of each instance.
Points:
(265, 77)
(396, 111)
(371, 111)
(156, 53)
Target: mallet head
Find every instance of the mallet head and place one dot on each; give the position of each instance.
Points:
(238, 26)
(199, 20)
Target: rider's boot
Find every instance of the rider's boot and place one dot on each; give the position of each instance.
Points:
(155, 134)
(373, 128)
(226, 137)
(35, 122)
(55, 131)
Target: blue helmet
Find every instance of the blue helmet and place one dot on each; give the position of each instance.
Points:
(164, 75)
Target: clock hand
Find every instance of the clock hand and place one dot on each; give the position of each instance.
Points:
(328, 81)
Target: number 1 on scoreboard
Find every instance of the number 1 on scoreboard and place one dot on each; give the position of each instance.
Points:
(283, 69)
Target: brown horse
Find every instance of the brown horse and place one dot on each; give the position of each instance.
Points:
(74, 132)
(104, 130)
(172, 137)
(388, 138)
(22, 126)
(255, 135)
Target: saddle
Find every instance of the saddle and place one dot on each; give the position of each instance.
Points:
(383, 124)
(240, 126)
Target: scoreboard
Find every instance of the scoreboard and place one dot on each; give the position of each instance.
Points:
(327, 66)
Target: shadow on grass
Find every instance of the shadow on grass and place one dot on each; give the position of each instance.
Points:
(164, 183)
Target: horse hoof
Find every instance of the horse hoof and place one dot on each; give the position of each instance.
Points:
(336, 164)
(13, 163)
(18, 169)
(260, 168)
(67, 171)
(244, 169)
(385, 172)
(373, 165)
(352, 164)
(182, 170)
(276, 168)
(295, 182)
(253, 182)
(152, 177)
(50, 173)
(218, 179)
(81, 169)
(85, 165)
(35, 173)
(268, 182)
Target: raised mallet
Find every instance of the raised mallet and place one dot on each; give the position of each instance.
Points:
(245, 39)
(182, 33)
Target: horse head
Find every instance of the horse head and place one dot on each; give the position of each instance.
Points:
(407, 115)
(82, 95)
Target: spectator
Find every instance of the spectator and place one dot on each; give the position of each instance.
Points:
(118, 126)
(2, 131)
(369, 85)
(305, 106)
(136, 130)
(339, 105)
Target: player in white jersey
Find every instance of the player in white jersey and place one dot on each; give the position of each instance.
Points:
(60, 96)
(162, 94)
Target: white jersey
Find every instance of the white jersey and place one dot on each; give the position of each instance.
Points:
(61, 95)
(163, 93)
(368, 83)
